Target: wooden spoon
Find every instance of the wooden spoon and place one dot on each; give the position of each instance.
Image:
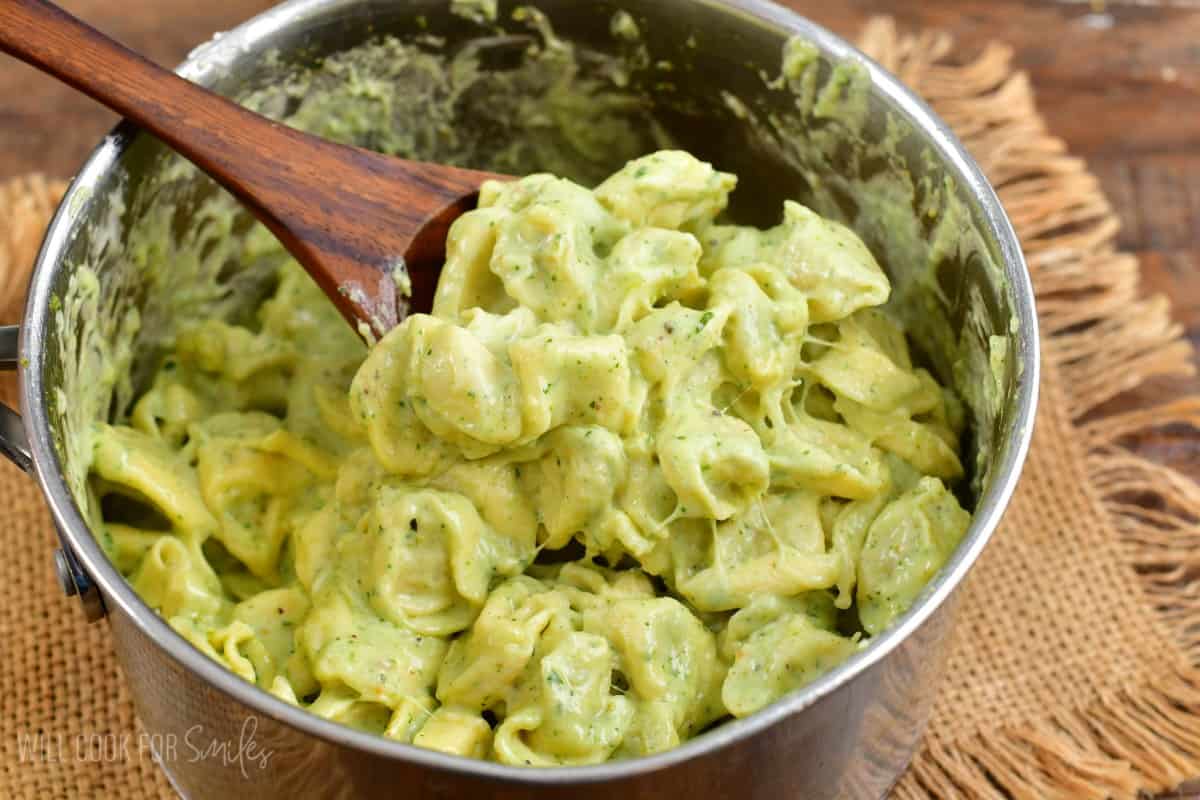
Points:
(351, 217)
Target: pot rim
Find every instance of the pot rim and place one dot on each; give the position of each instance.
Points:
(211, 58)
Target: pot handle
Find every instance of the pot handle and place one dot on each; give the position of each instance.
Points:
(13, 441)
(14, 444)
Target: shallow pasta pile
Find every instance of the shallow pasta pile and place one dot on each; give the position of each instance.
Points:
(637, 472)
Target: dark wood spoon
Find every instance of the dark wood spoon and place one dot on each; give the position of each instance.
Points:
(349, 216)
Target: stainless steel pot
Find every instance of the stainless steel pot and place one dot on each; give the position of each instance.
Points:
(851, 733)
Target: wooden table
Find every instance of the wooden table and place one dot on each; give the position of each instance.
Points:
(1118, 80)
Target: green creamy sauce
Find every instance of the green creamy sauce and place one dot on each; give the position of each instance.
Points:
(480, 11)
(861, 176)
(624, 26)
(191, 287)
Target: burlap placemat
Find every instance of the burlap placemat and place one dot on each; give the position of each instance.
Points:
(1074, 668)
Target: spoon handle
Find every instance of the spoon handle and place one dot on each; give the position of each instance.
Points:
(351, 217)
(207, 129)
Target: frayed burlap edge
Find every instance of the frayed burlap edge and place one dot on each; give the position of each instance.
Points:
(1103, 339)
(1100, 335)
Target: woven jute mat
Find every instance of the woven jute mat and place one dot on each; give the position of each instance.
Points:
(1074, 671)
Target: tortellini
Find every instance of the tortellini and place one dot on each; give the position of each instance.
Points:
(638, 471)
